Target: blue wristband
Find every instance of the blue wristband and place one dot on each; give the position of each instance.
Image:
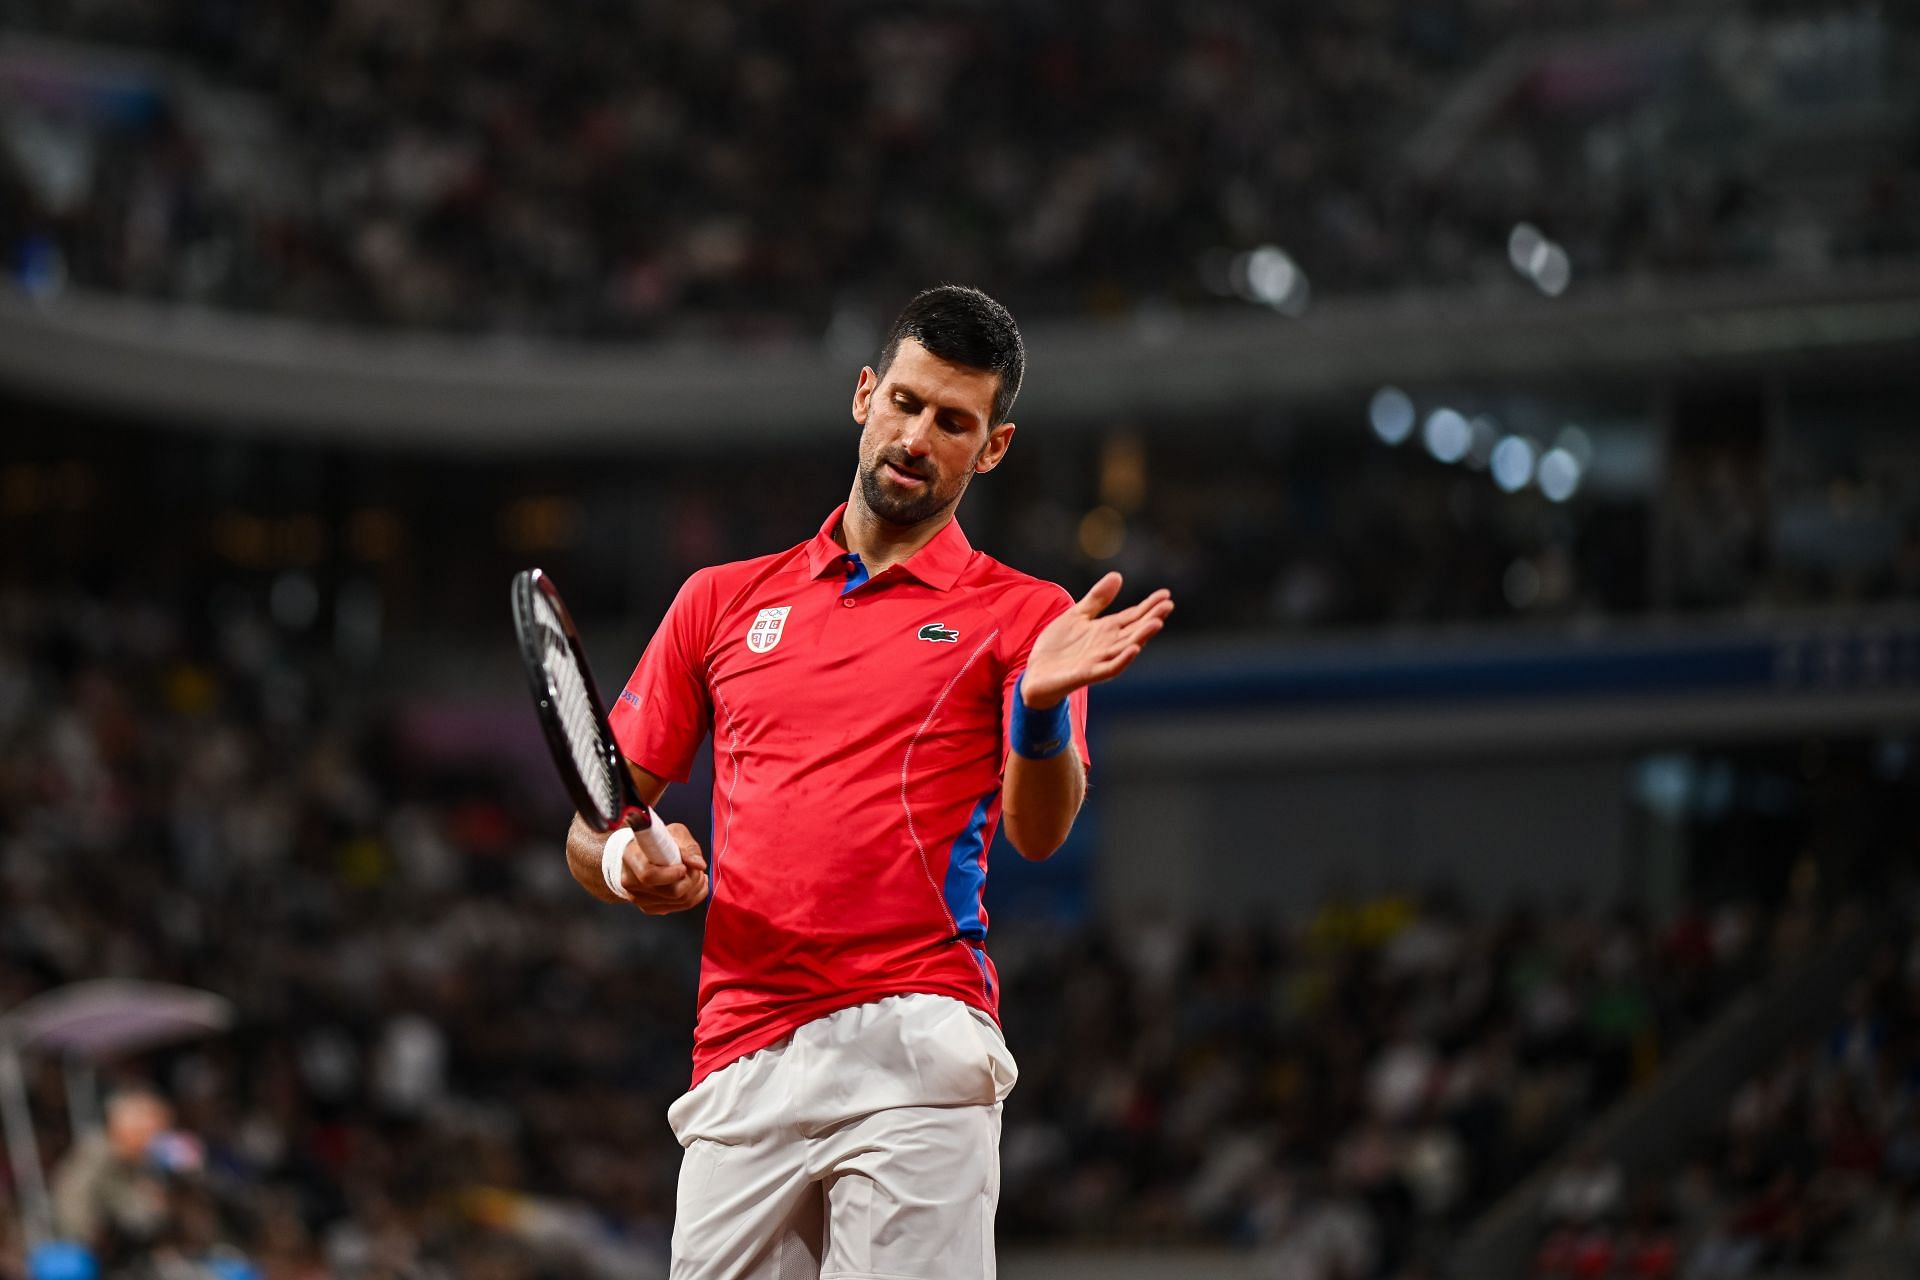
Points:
(1039, 735)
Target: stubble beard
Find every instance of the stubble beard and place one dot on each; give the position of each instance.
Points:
(905, 509)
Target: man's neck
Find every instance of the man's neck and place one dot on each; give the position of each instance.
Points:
(879, 543)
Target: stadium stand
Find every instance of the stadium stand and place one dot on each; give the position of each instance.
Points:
(590, 168)
(1812, 1168)
(1346, 1093)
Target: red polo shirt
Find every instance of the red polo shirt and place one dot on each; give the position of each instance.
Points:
(859, 731)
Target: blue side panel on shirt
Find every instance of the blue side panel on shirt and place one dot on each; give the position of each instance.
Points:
(986, 974)
(966, 875)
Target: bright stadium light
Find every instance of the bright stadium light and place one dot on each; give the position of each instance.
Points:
(1539, 259)
(1523, 242)
(1552, 271)
(1271, 274)
(1447, 435)
(1270, 277)
(1559, 474)
(1512, 463)
(1391, 414)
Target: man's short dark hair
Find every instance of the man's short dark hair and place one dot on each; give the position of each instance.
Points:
(963, 326)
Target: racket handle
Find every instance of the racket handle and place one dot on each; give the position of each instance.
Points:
(659, 847)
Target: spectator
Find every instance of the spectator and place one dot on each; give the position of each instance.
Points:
(110, 1192)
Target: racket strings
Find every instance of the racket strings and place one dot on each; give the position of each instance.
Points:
(579, 718)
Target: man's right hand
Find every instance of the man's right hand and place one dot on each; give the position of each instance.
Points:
(656, 890)
(659, 890)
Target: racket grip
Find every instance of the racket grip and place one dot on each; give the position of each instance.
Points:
(660, 848)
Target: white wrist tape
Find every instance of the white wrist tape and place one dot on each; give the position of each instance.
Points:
(613, 858)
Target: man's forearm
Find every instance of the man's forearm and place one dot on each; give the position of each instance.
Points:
(1039, 801)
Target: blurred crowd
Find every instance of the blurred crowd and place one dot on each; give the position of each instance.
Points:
(771, 168)
(450, 1062)
(1347, 1095)
(1813, 1169)
(445, 1055)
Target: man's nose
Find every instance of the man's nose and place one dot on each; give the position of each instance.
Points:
(917, 436)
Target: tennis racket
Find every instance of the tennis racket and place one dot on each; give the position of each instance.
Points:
(568, 704)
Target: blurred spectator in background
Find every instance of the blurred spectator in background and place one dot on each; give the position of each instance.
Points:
(110, 1191)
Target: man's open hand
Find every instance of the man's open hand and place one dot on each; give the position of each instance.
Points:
(1081, 647)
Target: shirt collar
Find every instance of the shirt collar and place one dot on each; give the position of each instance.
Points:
(938, 564)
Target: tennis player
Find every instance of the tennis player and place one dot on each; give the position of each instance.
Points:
(881, 697)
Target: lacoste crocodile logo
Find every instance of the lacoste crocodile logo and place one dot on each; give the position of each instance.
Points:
(939, 633)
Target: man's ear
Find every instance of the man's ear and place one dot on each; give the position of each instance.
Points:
(998, 441)
(863, 393)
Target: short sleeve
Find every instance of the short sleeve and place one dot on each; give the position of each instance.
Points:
(662, 715)
(1026, 627)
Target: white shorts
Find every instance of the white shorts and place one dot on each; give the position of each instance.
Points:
(866, 1144)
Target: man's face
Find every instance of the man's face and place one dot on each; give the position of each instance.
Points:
(925, 433)
(133, 1122)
